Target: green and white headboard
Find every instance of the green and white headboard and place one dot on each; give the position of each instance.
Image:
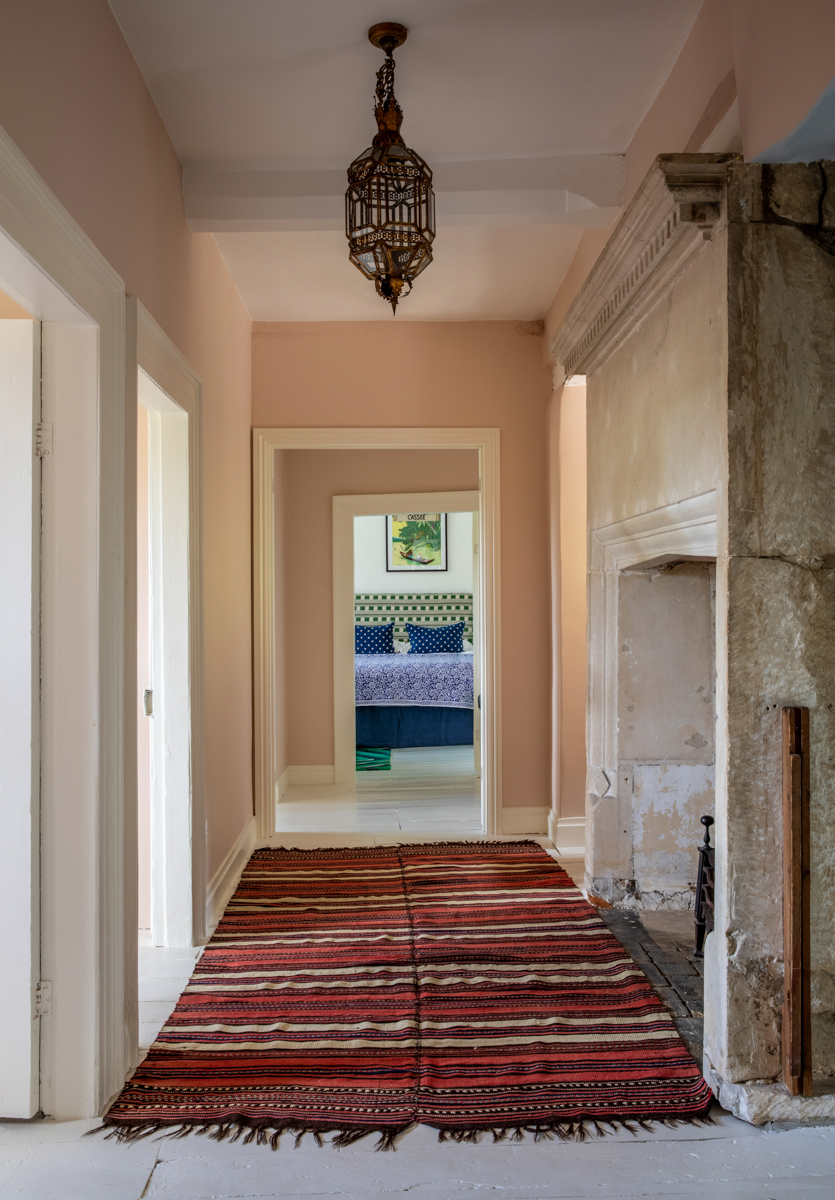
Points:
(443, 608)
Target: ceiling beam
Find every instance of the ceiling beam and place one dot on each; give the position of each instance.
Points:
(581, 189)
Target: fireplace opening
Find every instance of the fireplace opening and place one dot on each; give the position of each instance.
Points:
(665, 729)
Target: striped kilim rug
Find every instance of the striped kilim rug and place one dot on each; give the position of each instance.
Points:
(373, 760)
(363, 990)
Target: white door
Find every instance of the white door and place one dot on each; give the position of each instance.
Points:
(20, 506)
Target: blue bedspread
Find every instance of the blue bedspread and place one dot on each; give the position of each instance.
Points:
(421, 680)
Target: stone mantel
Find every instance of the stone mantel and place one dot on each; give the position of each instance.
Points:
(679, 206)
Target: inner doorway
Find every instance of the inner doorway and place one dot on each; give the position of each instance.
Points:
(418, 766)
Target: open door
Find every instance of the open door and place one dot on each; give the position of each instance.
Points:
(21, 443)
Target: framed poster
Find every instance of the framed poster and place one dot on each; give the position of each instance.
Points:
(416, 542)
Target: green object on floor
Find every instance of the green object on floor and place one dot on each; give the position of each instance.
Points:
(373, 760)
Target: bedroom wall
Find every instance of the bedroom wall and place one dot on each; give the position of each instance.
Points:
(461, 374)
(370, 574)
(74, 102)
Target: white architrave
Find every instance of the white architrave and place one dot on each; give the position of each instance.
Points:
(50, 266)
(20, 504)
(171, 392)
(685, 529)
(265, 444)
(345, 508)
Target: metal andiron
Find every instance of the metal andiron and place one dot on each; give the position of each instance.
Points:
(389, 204)
(705, 883)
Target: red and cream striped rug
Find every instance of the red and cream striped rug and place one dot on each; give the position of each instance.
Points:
(462, 986)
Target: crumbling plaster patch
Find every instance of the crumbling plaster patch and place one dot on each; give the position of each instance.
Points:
(668, 800)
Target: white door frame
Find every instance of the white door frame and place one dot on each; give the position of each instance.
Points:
(345, 508)
(265, 443)
(50, 266)
(20, 543)
(170, 390)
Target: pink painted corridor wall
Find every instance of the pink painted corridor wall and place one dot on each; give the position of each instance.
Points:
(463, 374)
(74, 102)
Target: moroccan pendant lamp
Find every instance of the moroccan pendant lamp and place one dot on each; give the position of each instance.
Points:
(389, 204)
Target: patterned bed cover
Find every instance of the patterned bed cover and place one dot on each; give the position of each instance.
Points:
(419, 680)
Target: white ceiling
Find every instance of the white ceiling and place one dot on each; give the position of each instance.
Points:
(267, 102)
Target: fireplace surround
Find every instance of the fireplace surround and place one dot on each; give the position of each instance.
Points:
(705, 334)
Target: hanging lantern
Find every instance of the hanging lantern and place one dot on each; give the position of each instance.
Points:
(389, 204)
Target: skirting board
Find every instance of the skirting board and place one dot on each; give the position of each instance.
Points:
(226, 877)
(308, 776)
(282, 784)
(568, 835)
(530, 819)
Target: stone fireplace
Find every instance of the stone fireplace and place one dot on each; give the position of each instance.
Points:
(705, 332)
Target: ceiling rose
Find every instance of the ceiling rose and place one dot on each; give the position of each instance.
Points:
(389, 204)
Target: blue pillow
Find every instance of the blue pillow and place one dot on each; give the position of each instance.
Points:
(374, 639)
(436, 639)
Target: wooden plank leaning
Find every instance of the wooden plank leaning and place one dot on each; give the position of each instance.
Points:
(797, 1002)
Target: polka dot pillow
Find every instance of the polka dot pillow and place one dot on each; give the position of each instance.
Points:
(374, 639)
(436, 639)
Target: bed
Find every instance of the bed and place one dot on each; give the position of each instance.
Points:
(414, 699)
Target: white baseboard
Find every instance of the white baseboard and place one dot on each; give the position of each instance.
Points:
(309, 776)
(530, 819)
(225, 879)
(282, 784)
(568, 835)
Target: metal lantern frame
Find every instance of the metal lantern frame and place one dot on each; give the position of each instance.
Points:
(389, 204)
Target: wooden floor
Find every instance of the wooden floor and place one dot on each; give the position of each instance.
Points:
(427, 789)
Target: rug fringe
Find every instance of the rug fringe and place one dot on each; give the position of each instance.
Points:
(267, 1134)
(234, 1128)
(577, 1131)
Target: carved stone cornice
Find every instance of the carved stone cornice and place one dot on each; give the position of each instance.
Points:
(680, 205)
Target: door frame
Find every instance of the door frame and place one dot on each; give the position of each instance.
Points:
(345, 508)
(179, 883)
(20, 701)
(51, 267)
(265, 442)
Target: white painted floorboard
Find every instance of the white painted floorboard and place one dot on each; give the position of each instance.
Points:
(45, 1160)
(429, 788)
(163, 973)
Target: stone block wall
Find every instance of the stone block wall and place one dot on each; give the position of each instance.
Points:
(778, 595)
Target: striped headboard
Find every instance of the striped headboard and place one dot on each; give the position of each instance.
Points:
(443, 608)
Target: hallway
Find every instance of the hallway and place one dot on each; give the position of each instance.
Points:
(51, 1161)
(428, 790)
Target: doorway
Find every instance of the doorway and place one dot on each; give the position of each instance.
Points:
(418, 766)
(278, 642)
(170, 822)
(406, 664)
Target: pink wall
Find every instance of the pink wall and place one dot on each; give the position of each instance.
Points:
(457, 374)
(785, 57)
(572, 516)
(311, 479)
(704, 62)
(73, 100)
